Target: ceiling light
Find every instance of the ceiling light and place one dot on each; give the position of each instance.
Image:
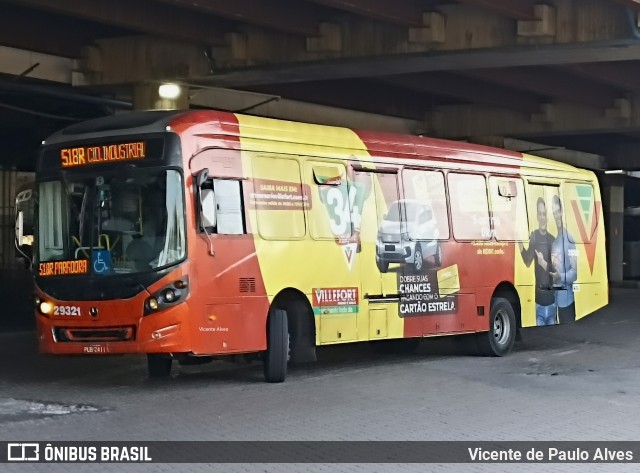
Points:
(169, 91)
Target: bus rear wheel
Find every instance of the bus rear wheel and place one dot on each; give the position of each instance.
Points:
(277, 355)
(499, 340)
(159, 366)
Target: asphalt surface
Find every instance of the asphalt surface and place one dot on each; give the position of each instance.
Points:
(578, 382)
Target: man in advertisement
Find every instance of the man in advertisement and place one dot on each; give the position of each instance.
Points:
(540, 245)
(565, 266)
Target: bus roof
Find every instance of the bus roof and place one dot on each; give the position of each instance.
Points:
(374, 143)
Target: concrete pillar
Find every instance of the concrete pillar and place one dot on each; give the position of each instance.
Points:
(613, 208)
(543, 25)
(146, 97)
(330, 39)
(433, 30)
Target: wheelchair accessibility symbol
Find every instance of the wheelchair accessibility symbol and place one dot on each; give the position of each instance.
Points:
(102, 262)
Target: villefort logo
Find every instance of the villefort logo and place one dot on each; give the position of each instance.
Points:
(335, 300)
(335, 296)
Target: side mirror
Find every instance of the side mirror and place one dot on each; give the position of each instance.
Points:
(24, 242)
(207, 200)
(19, 228)
(208, 205)
(202, 177)
(21, 238)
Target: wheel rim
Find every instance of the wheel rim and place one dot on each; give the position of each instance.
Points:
(501, 328)
(418, 261)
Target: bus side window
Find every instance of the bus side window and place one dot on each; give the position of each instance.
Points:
(508, 207)
(329, 186)
(469, 206)
(428, 188)
(229, 212)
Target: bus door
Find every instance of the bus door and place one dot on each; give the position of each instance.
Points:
(379, 284)
(546, 250)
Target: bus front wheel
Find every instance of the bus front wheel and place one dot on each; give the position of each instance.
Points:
(159, 365)
(277, 355)
(499, 340)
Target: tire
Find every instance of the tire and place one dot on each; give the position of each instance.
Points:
(418, 259)
(383, 266)
(277, 355)
(499, 340)
(302, 346)
(159, 366)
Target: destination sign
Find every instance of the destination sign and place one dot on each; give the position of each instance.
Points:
(63, 268)
(88, 155)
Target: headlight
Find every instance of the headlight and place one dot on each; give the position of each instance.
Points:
(181, 283)
(169, 295)
(152, 302)
(46, 308)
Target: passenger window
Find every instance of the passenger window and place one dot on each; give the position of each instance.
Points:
(279, 198)
(509, 209)
(229, 206)
(469, 206)
(227, 215)
(331, 218)
(425, 192)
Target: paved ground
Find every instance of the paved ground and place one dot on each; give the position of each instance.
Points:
(579, 382)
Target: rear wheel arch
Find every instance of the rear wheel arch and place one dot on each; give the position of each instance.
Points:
(301, 324)
(504, 322)
(507, 291)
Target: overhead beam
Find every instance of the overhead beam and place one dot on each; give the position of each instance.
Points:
(357, 95)
(550, 83)
(623, 75)
(611, 51)
(629, 3)
(52, 68)
(561, 118)
(262, 105)
(296, 17)
(137, 16)
(405, 12)
(518, 9)
(451, 85)
(68, 40)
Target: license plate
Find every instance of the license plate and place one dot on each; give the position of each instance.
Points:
(95, 349)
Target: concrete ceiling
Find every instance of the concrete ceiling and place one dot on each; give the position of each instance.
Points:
(562, 72)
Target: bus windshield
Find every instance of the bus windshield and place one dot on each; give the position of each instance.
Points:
(121, 224)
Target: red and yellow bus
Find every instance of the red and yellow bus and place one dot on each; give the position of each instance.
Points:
(192, 235)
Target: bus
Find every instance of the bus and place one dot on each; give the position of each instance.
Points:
(196, 235)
